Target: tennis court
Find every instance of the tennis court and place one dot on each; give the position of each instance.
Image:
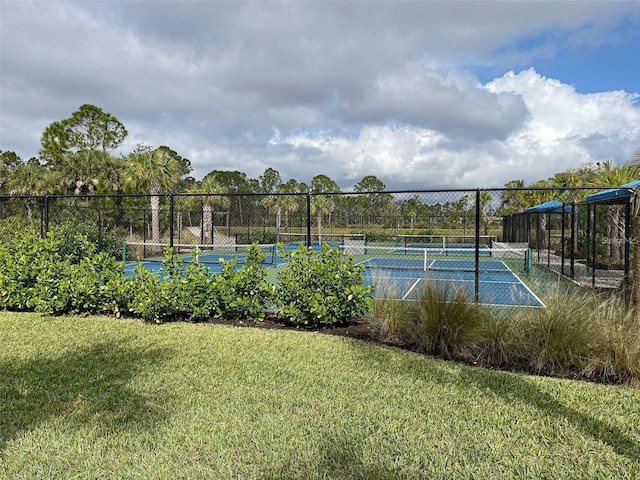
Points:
(399, 272)
(403, 279)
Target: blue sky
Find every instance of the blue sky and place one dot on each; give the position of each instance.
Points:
(420, 94)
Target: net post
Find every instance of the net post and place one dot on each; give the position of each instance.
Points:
(124, 252)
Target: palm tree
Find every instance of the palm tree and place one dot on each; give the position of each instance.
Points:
(156, 171)
(215, 199)
(608, 174)
(536, 197)
(513, 201)
(322, 204)
(485, 201)
(28, 180)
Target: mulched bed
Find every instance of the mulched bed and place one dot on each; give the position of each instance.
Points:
(360, 329)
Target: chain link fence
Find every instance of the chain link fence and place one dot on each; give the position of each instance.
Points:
(459, 237)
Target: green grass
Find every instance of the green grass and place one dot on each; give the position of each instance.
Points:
(105, 398)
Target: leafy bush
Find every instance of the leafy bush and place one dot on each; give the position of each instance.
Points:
(35, 276)
(153, 295)
(24, 261)
(244, 293)
(191, 291)
(94, 285)
(321, 288)
(68, 235)
(197, 291)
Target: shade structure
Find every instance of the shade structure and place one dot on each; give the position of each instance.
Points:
(553, 206)
(614, 195)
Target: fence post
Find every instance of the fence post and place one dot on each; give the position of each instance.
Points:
(627, 251)
(572, 250)
(171, 232)
(562, 239)
(593, 247)
(477, 253)
(46, 214)
(308, 219)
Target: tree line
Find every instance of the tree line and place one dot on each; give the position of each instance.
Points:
(77, 157)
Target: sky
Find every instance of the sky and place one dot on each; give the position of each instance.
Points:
(424, 94)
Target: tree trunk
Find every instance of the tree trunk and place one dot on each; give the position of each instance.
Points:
(207, 221)
(154, 202)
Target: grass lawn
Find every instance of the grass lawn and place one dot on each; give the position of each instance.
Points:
(105, 398)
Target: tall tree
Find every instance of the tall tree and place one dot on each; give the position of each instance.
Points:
(156, 171)
(269, 181)
(513, 201)
(322, 204)
(214, 199)
(372, 200)
(485, 205)
(28, 180)
(88, 129)
(607, 173)
(9, 160)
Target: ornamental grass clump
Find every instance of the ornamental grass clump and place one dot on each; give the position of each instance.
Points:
(392, 318)
(616, 354)
(558, 339)
(578, 334)
(447, 321)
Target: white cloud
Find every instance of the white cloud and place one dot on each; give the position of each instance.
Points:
(561, 132)
(353, 89)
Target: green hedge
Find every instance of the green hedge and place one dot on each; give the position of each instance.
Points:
(66, 274)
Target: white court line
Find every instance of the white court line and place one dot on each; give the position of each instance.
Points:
(411, 289)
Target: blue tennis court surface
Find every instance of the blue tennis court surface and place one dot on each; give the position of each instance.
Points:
(497, 285)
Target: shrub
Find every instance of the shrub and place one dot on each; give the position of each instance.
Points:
(153, 295)
(70, 246)
(95, 285)
(393, 318)
(197, 291)
(321, 288)
(35, 276)
(500, 340)
(194, 293)
(616, 354)
(244, 293)
(24, 261)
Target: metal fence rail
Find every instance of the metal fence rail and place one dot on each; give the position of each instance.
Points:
(445, 230)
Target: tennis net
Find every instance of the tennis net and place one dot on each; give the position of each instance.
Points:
(330, 238)
(445, 241)
(204, 253)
